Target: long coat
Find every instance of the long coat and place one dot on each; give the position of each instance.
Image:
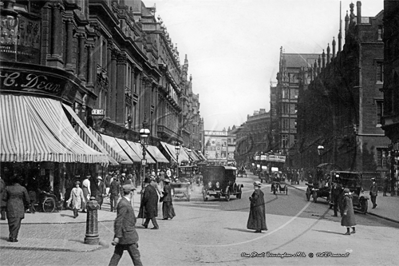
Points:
(348, 218)
(100, 191)
(76, 197)
(16, 197)
(257, 212)
(167, 206)
(3, 203)
(124, 223)
(149, 203)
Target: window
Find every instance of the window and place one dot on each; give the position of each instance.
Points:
(284, 140)
(380, 111)
(285, 93)
(380, 72)
(284, 124)
(380, 32)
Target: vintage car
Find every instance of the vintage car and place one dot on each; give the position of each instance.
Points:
(219, 182)
(352, 181)
(278, 183)
(319, 186)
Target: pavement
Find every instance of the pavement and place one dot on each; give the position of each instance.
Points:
(387, 209)
(387, 206)
(59, 217)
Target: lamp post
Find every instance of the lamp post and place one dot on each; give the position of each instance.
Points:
(177, 148)
(144, 133)
(189, 156)
(320, 150)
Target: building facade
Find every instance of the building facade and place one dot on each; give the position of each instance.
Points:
(390, 121)
(285, 99)
(340, 103)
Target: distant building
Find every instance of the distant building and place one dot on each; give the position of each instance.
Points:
(216, 146)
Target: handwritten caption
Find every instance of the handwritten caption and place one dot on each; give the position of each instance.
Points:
(299, 254)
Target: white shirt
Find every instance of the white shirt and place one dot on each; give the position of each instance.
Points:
(86, 183)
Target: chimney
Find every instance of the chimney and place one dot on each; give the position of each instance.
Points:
(359, 12)
(323, 55)
(352, 15)
(328, 53)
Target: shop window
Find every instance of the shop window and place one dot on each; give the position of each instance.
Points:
(382, 154)
(380, 72)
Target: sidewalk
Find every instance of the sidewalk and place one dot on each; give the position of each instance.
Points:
(387, 207)
(61, 217)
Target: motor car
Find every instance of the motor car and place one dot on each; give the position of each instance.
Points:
(220, 182)
(352, 181)
(319, 186)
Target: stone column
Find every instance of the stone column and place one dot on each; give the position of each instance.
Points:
(120, 89)
(69, 48)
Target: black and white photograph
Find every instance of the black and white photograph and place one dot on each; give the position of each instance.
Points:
(199, 132)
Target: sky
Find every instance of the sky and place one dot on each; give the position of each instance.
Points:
(233, 46)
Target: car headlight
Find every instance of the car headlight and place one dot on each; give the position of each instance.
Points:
(217, 184)
(209, 184)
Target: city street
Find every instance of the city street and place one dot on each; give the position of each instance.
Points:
(214, 232)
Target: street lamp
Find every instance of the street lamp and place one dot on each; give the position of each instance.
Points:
(144, 134)
(189, 155)
(177, 148)
(320, 150)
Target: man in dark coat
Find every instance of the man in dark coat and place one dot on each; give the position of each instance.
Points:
(374, 193)
(114, 193)
(167, 206)
(336, 192)
(348, 217)
(149, 203)
(257, 213)
(99, 191)
(126, 237)
(3, 203)
(16, 197)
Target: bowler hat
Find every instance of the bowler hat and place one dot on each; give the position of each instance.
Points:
(346, 190)
(257, 183)
(77, 183)
(147, 180)
(128, 188)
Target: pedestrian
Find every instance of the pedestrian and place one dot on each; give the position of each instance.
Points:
(86, 192)
(374, 193)
(114, 193)
(101, 191)
(348, 217)
(76, 199)
(3, 203)
(125, 234)
(16, 197)
(386, 185)
(336, 194)
(149, 204)
(257, 212)
(167, 206)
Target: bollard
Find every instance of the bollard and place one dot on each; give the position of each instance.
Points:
(92, 237)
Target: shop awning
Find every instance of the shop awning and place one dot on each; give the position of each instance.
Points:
(88, 136)
(112, 142)
(37, 130)
(128, 150)
(157, 154)
(172, 152)
(139, 151)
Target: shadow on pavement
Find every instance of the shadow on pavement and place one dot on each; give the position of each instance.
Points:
(328, 232)
(240, 230)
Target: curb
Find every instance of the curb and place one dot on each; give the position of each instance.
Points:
(373, 214)
(90, 248)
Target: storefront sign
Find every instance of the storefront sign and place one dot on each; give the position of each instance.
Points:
(39, 80)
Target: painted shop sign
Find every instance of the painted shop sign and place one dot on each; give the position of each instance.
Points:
(37, 82)
(20, 39)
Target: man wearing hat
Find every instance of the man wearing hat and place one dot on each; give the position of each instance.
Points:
(167, 206)
(114, 193)
(336, 195)
(257, 212)
(348, 215)
(374, 193)
(149, 204)
(125, 234)
(101, 191)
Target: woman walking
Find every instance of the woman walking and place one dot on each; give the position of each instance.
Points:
(167, 206)
(257, 213)
(348, 217)
(76, 198)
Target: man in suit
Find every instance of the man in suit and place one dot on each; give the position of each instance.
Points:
(16, 197)
(374, 193)
(114, 193)
(126, 236)
(336, 195)
(150, 203)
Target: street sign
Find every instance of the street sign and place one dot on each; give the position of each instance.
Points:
(98, 112)
(144, 162)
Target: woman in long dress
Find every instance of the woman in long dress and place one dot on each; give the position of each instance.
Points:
(257, 213)
(76, 199)
(167, 206)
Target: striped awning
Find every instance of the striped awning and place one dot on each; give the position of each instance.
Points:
(112, 142)
(157, 154)
(128, 150)
(139, 151)
(34, 129)
(88, 137)
(171, 149)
